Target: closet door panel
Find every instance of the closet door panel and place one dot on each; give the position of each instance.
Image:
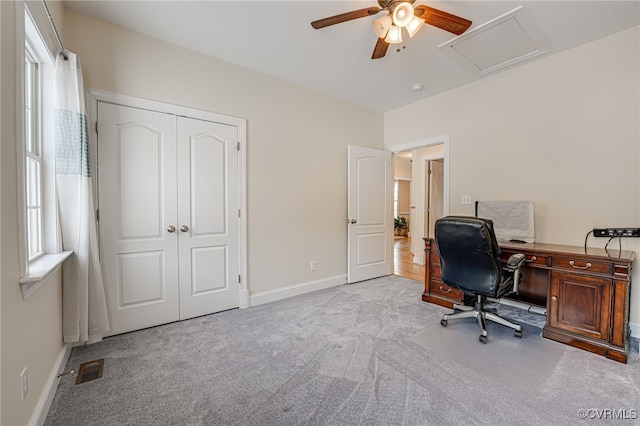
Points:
(208, 217)
(137, 201)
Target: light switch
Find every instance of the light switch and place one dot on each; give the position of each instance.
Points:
(466, 199)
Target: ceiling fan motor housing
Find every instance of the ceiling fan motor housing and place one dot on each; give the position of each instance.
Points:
(386, 4)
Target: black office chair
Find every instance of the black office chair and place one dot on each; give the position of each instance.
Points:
(470, 261)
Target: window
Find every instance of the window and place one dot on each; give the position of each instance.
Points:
(40, 248)
(33, 150)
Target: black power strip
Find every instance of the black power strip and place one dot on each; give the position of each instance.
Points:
(616, 232)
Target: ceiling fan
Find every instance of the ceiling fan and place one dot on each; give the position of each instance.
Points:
(401, 15)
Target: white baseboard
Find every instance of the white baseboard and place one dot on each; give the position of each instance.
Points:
(295, 290)
(46, 397)
(635, 329)
(244, 299)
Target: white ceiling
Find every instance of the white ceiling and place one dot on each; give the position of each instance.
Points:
(276, 38)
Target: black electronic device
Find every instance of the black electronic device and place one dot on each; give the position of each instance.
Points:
(616, 232)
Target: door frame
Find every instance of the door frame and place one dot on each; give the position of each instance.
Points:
(95, 96)
(423, 143)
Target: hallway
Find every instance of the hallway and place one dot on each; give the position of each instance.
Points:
(403, 260)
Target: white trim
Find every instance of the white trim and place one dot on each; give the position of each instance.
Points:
(95, 96)
(23, 256)
(296, 290)
(242, 221)
(41, 409)
(40, 270)
(141, 103)
(39, 18)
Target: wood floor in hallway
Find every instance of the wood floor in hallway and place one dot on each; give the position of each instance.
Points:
(403, 260)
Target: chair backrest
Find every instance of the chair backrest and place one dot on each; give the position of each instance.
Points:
(469, 254)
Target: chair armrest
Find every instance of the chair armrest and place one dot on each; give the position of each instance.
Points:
(515, 261)
(513, 265)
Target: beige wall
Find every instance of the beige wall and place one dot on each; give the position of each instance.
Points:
(562, 131)
(404, 196)
(297, 142)
(31, 329)
(401, 168)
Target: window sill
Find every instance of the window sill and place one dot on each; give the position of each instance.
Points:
(40, 270)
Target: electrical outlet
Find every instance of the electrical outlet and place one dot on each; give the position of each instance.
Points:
(616, 232)
(313, 266)
(24, 384)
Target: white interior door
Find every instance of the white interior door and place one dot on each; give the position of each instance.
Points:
(138, 205)
(370, 214)
(207, 217)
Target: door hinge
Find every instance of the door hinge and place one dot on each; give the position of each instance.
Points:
(239, 213)
(97, 127)
(238, 146)
(239, 279)
(97, 214)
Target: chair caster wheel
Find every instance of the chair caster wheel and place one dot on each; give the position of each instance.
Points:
(443, 322)
(518, 333)
(483, 339)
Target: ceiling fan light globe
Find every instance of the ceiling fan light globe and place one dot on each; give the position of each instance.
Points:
(402, 14)
(394, 36)
(414, 26)
(381, 26)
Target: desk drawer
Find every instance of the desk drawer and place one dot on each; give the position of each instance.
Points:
(530, 259)
(438, 287)
(584, 265)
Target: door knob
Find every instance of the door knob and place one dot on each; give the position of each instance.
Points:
(352, 221)
(171, 229)
(184, 228)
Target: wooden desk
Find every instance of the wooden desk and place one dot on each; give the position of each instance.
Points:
(586, 293)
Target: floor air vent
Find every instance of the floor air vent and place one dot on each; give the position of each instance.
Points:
(90, 371)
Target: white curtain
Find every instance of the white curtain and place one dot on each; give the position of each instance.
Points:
(84, 309)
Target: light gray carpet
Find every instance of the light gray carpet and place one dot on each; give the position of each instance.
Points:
(339, 356)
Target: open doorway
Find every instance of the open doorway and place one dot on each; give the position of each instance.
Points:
(422, 166)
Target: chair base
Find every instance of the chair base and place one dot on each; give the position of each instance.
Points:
(481, 315)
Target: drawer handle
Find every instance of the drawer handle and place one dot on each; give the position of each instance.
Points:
(533, 259)
(445, 291)
(587, 266)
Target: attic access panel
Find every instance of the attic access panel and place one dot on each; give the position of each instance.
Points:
(509, 39)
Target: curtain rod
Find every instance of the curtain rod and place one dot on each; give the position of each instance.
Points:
(55, 31)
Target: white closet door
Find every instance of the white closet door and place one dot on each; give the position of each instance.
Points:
(137, 201)
(207, 217)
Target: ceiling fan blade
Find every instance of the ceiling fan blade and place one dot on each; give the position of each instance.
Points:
(380, 50)
(446, 21)
(343, 17)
